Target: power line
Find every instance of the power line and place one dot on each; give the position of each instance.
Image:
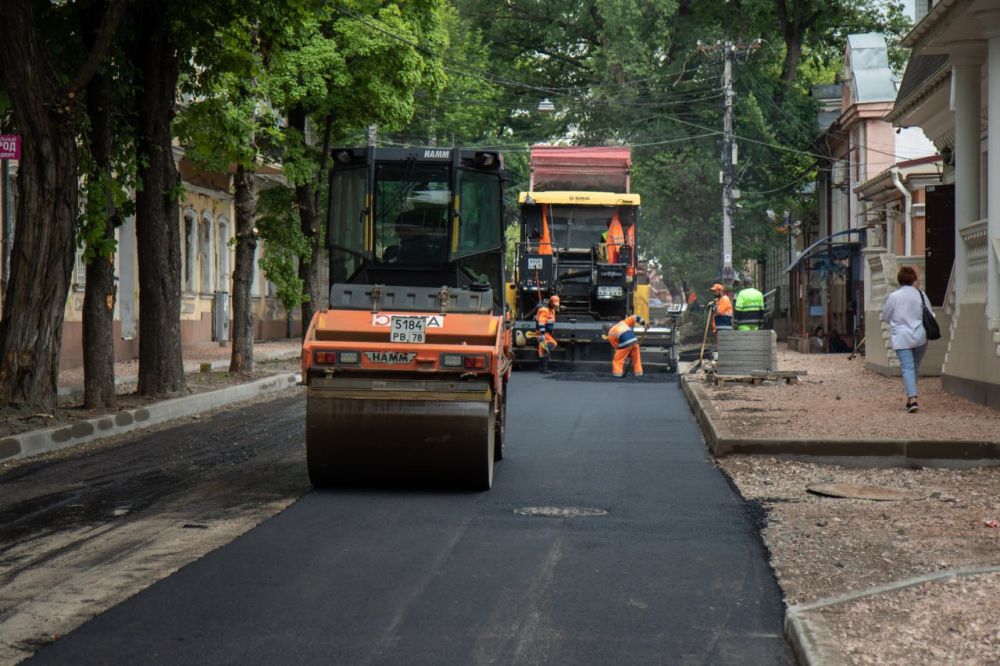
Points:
(802, 123)
(799, 179)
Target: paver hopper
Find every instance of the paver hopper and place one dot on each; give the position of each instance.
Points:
(407, 370)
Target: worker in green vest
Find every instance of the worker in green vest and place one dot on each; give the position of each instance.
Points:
(748, 313)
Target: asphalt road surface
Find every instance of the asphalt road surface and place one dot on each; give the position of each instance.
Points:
(608, 538)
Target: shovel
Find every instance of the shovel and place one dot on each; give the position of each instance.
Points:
(704, 341)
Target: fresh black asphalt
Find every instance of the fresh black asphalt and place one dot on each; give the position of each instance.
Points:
(672, 573)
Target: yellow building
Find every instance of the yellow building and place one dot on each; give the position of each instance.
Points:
(207, 227)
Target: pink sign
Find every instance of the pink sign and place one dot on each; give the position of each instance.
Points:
(10, 146)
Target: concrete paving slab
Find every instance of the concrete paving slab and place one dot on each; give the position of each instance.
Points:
(868, 452)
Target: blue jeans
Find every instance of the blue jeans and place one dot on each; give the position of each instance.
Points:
(909, 362)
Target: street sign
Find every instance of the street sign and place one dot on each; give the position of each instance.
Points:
(10, 146)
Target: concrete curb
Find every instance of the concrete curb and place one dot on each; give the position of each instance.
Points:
(806, 630)
(869, 452)
(34, 442)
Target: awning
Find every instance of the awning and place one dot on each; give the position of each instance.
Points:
(830, 250)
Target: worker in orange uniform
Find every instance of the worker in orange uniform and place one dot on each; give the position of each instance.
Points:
(545, 323)
(615, 239)
(626, 345)
(722, 311)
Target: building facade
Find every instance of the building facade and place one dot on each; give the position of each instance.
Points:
(951, 90)
(829, 278)
(207, 231)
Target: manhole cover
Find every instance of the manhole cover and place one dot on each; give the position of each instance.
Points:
(861, 491)
(560, 511)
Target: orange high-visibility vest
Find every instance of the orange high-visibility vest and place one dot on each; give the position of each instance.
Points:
(616, 238)
(545, 319)
(621, 334)
(723, 318)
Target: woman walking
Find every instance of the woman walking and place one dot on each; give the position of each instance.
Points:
(903, 311)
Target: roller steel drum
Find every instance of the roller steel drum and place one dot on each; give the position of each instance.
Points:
(364, 432)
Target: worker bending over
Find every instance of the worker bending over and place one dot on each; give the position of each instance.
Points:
(626, 345)
(722, 311)
(545, 323)
(749, 312)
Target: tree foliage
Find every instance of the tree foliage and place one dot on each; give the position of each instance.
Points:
(282, 82)
(285, 246)
(649, 75)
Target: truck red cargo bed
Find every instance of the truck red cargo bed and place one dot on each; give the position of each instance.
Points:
(582, 168)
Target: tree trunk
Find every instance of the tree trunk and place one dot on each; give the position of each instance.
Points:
(308, 269)
(161, 363)
(790, 65)
(44, 240)
(98, 332)
(246, 246)
(99, 295)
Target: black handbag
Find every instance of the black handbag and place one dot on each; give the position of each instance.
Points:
(930, 323)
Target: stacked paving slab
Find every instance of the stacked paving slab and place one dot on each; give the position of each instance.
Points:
(744, 352)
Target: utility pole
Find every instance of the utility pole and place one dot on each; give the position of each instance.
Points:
(727, 177)
(728, 163)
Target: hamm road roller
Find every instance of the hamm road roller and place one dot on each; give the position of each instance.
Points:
(407, 369)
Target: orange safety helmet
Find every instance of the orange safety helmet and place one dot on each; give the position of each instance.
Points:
(554, 300)
(717, 287)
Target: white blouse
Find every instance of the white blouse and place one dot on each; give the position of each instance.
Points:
(903, 311)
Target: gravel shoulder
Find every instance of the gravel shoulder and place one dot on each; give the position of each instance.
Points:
(824, 546)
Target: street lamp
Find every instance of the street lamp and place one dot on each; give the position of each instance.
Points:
(546, 106)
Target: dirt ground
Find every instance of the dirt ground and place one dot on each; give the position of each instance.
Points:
(824, 546)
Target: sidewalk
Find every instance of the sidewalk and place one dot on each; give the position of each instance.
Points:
(888, 582)
(276, 365)
(126, 373)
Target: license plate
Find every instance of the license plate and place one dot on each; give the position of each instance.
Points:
(535, 263)
(609, 292)
(407, 329)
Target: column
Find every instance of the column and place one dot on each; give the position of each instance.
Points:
(968, 108)
(993, 169)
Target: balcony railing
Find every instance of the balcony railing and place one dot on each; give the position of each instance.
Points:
(976, 238)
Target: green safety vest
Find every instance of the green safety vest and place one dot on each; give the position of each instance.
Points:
(749, 308)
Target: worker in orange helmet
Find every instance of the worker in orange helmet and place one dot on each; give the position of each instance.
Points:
(626, 345)
(545, 323)
(722, 310)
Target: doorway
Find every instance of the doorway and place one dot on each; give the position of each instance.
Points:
(939, 239)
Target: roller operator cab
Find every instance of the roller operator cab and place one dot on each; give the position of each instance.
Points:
(407, 369)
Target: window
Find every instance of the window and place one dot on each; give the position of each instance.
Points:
(80, 270)
(222, 256)
(255, 284)
(579, 227)
(188, 250)
(479, 223)
(205, 253)
(346, 235)
(412, 205)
